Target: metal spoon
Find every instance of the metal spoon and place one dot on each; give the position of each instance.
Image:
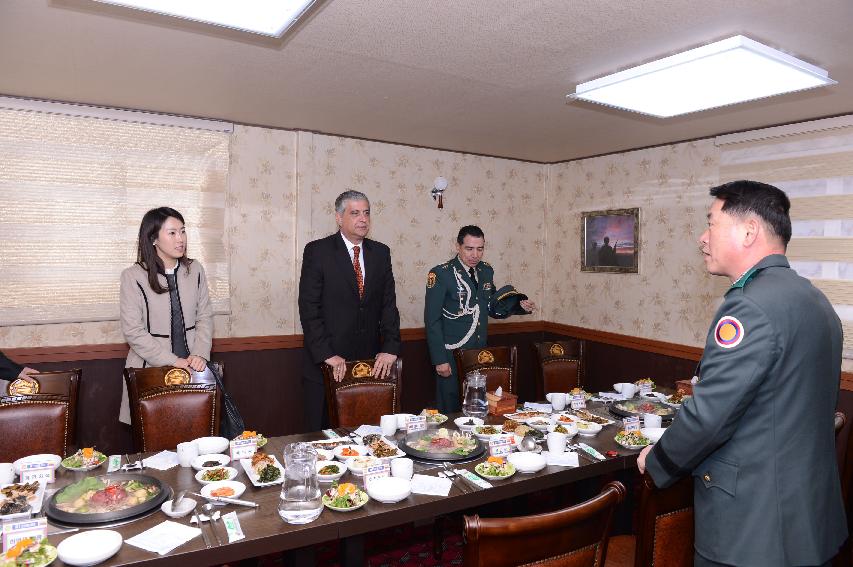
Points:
(208, 509)
(527, 443)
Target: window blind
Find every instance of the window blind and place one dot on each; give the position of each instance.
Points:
(74, 189)
(813, 163)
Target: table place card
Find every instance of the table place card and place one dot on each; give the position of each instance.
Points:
(578, 401)
(375, 472)
(500, 447)
(415, 423)
(41, 471)
(232, 526)
(162, 461)
(471, 477)
(565, 459)
(631, 423)
(17, 530)
(243, 448)
(164, 537)
(645, 388)
(431, 485)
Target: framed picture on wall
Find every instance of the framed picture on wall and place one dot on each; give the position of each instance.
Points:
(610, 241)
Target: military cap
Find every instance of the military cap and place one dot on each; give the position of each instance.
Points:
(507, 301)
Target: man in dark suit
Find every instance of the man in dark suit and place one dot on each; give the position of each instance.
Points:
(758, 434)
(347, 303)
(10, 370)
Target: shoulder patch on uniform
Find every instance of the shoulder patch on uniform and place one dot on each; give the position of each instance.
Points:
(431, 280)
(729, 332)
(486, 263)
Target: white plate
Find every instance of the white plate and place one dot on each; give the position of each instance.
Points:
(492, 477)
(238, 487)
(211, 444)
(185, 506)
(629, 446)
(390, 489)
(440, 419)
(388, 459)
(253, 476)
(41, 458)
(592, 429)
(342, 468)
(364, 499)
(523, 416)
(35, 503)
(90, 547)
(84, 468)
(232, 472)
(608, 420)
(570, 427)
(362, 451)
(527, 462)
(357, 468)
(486, 437)
(540, 423)
(461, 421)
(201, 459)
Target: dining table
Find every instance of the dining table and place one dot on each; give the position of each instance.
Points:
(266, 533)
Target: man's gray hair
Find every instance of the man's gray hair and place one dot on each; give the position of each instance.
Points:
(349, 195)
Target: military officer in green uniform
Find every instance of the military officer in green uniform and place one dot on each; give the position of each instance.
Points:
(456, 311)
(758, 434)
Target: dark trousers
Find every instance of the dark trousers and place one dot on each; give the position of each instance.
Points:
(315, 411)
(699, 561)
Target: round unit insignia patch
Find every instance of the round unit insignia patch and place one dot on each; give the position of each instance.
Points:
(729, 332)
(431, 280)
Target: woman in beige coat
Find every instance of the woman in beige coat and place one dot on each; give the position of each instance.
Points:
(166, 316)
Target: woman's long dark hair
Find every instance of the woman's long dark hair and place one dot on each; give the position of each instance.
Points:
(146, 254)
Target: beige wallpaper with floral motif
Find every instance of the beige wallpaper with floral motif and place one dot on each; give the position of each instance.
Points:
(671, 298)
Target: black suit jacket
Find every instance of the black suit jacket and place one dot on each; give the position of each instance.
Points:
(9, 370)
(334, 320)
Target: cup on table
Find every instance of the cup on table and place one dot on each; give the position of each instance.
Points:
(388, 424)
(186, 453)
(7, 473)
(652, 420)
(402, 467)
(626, 389)
(557, 399)
(556, 442)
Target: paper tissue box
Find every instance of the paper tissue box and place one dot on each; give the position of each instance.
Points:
(499, 405)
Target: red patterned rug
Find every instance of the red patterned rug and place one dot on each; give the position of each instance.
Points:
(401, 545)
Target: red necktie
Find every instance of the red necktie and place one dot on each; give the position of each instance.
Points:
(356, 264)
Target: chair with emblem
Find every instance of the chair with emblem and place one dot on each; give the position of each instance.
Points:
(361, 398)
(572, 537)
(38, 416)
(159, 395)
(560, 366)
(498, 363)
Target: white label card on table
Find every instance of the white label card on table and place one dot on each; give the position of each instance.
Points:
(500, 447)
(416, 423)
(631, 423)
(15, 531)
(243, 448)
(578, 401)
(376, 471)
(37, 471)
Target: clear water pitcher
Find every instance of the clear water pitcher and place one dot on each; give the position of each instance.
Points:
(474, 402)
(301, 498)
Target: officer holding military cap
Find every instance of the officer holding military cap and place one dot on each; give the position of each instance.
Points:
(460, 297)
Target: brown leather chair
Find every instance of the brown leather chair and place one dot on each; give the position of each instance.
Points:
(573, 537)
(361, 398)
(665, 535)
(171, 405)
(42, 419)
(498, 363)
(560, 366)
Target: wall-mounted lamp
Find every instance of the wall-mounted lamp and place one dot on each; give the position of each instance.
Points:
(438, 187)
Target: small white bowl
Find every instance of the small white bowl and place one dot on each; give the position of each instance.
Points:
(486, 437)
(220, 459)
(527, 462)
(362, 451)
(90, 547)
(462, 421)
(356, 465)
(41, 458)
(342, 468)
(653, 434)
(540, 423)
(390, 489)
(325, 454)
(211, 445)
(570, 427)
(185, 506)
(588, 429)
(238, 487)
(232, 472)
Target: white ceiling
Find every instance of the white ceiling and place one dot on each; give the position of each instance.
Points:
(481, 76)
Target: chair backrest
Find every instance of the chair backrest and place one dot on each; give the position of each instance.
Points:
(361, 398)
(665, 536)
(573, 537)
(172, 405)
(39, 419)
(498, 363)
(560, 366)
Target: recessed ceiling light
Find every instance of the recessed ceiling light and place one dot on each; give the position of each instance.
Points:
(726, 72)
(266, 17)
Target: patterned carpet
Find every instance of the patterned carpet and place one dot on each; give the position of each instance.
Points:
(401, 545)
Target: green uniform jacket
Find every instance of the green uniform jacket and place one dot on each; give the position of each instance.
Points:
(456, 313)
(758, 434)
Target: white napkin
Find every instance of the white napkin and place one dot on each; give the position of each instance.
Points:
(568, 459)
(368, 430)
(431, 485)
(164, 537)
(533, 406)
(162, 461)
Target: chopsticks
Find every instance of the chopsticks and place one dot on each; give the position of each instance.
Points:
(203, 534)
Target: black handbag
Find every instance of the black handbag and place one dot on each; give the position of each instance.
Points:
(230, 421)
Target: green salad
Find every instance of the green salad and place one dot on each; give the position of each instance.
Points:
(495, 466)
(29, 553)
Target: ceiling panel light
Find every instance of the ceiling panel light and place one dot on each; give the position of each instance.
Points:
(266, 17)
(726, 72)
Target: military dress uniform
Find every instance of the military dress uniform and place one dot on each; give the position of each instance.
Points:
(758, 435)
(456, 314)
